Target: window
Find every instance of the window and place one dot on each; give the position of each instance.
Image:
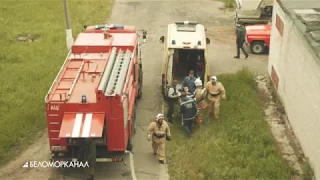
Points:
(279, 25)
(125, 111)
(274, 77)
(186, 28)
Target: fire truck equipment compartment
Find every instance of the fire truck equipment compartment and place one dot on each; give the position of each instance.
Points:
(80, 125)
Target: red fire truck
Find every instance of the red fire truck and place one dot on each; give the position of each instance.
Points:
(95, 93)
(258, 37)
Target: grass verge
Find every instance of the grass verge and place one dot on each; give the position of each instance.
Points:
(239, 146)
(308, 172)
(229, 4)
(27, 69)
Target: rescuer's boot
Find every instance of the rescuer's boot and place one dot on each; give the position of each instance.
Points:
(161, 161)
(90, 178)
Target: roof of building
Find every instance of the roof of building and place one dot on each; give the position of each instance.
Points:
(306, 16)
(181, 35)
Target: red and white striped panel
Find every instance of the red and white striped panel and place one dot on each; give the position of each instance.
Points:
(80, 125)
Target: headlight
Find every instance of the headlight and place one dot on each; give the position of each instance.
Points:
(58, 148)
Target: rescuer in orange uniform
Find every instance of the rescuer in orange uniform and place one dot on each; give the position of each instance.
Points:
(199, 94)
(199, 97)
(215, 92)
(159, 132)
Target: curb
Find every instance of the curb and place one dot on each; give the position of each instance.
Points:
(163, 174)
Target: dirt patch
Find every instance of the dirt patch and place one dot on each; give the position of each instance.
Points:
(280, 126)
(36, 152)
(28, 38)
(221, 34)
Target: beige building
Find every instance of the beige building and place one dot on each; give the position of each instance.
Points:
(294, 67)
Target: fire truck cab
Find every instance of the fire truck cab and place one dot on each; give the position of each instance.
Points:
(258, 37)
(185, 48)
(95, 92)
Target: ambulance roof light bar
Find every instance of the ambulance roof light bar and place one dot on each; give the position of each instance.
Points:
(111, 26)
(186, 23)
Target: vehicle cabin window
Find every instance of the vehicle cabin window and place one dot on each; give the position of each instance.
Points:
(267, 11)
(279, 25)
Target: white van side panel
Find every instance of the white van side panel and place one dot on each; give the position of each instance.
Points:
(170, 66)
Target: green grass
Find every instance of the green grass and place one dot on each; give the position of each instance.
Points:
(238, 146)
(308, 172)
(27, 69)
(229, 4)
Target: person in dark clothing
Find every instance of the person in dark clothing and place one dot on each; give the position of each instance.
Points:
(188, 110)
(88, 154)
(189, 82)
(173, 95)
(200, 68)
(241, 39)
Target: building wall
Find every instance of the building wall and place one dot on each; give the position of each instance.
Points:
(297, 70)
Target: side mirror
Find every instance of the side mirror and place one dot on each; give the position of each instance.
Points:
(162, 39)
(144, 36)
(207, 40)
(85, 26)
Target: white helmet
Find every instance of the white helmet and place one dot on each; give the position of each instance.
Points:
(214, 79)
(160, 116)
(198, 82)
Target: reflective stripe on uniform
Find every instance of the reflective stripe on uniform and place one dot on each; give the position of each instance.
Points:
(185, 102)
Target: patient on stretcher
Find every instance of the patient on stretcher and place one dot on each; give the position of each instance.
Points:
(186, 90)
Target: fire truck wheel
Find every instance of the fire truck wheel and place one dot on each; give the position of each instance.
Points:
(139, 93)
(130, 144)
(133, 131)
(140, 87)
(257, 47)
(134, 121)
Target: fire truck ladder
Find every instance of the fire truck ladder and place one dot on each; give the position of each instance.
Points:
(66, 95)
(119, 73)
(107, 72)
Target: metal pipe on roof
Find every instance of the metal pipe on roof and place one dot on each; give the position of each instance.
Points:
(75, 80)
(107, 71)
(56, 79)
(123, 72)
(115, 74)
